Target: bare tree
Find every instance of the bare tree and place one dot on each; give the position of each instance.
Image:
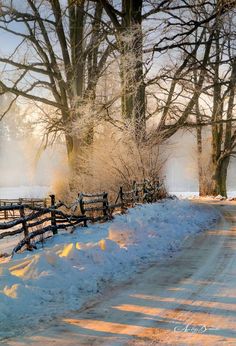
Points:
(60, 53)
(219, 95)
(202, 77)
(130, 20)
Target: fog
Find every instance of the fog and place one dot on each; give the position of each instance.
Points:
(27, 172)
(181, 166)
(20, 165)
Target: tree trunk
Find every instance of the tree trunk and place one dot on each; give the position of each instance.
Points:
(223, 176)
(201, 178)
(219, 178)
(131, 67)
(203, 167)
(217, 115)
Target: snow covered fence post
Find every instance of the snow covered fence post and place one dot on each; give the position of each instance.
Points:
(121, 194)
(53, 215)
(5, 211)
(156, 189)
(105, 205)
(135, 192)
(24, 225)
(144, 192)
(81, 205)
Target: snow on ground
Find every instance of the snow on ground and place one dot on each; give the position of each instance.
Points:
(73, 268)
(24, 192)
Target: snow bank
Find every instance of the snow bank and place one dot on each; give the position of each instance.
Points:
(72, 268)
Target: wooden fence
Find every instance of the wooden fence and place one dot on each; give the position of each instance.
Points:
(35, 220)
(12, 214)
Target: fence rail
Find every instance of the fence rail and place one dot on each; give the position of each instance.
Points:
(38, 217)
(7, 209)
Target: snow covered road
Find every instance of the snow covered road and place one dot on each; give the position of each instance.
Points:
(187, 300)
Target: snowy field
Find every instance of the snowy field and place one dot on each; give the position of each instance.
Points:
(194, 195)
(44, 191)
(24, 192)
(73, 268)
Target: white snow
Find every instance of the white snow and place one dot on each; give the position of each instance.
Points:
(73, 268)
(195, 195)
(24, 192)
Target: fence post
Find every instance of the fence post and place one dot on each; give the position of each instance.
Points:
(24, 226)
(105, 205)
(53, 215)
(5, 212)
(135, 193)
(81, 205)
(144, 191)
(158, 184)
(122, 200)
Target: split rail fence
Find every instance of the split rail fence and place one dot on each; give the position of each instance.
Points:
(35, 218)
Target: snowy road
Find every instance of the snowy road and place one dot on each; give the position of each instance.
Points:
(190, 300)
